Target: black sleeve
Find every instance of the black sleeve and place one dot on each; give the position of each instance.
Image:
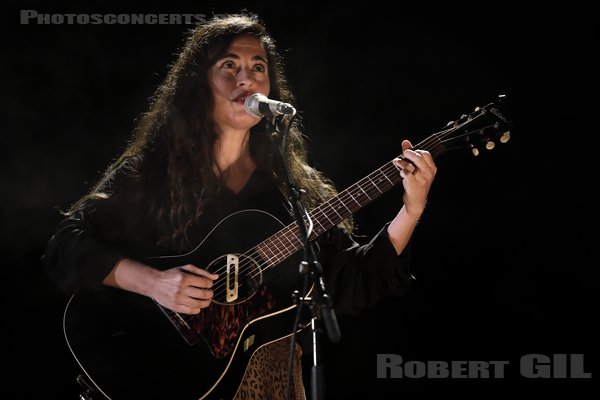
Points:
(357, 276)
(77, 254)
(83, 248)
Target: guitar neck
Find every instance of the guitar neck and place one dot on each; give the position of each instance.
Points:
(339, 208)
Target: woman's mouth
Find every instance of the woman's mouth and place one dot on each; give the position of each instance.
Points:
(241, 98)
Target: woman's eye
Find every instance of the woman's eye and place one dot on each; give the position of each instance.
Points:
(228, 64)
(260, 68)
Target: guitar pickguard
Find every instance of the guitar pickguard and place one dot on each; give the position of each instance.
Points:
(220, 325)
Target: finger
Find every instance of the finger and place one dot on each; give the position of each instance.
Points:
(416, 159)
(198, 282)
(199, 271)
(428, 158)
(401, 163)
(422, 160)
(405, 165)
(406, 169)
(193, 303)
(406, 175)
(191, 279)
(198, 293)
(407, 145)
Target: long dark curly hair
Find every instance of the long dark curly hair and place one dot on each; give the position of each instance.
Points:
(169, 162)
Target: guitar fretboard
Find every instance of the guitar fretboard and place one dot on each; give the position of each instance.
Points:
(288, 240)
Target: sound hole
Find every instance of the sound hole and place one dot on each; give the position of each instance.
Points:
(239, 282)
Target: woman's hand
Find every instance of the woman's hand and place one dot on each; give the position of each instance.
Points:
(186, 289)
(418, 170)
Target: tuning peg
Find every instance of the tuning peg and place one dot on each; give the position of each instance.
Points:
(475, 151)
(450, 123)
(477, 109)
(490, 145)
(505, 137)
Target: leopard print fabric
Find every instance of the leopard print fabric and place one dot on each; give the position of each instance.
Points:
(266, 375)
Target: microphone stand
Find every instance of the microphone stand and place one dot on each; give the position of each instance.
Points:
(320, 303)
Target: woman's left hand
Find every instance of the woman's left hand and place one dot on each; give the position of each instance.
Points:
(417, 177)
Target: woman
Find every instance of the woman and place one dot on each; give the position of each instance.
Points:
(196, 157)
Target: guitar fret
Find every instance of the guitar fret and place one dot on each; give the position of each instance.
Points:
(337, 208)
(296, 235)
(335, 211)
(270, 248)
(385, 176)
(283, 246)
(359, 205)
(275, 259)
(292, 245)
(286, 236)
(318, 222)
(279, 254)
(364, 192)
(374, 185)
(344, 204)
(325, 214)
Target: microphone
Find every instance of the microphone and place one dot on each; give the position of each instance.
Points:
(259, 105)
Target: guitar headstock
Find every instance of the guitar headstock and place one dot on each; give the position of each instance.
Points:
(482, 128)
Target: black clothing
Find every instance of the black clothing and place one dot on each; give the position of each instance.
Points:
(88, 244)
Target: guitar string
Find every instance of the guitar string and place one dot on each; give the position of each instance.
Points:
(435, 141)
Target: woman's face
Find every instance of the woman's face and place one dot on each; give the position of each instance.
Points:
(242, 71)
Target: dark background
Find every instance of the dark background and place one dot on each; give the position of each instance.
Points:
(505, 253)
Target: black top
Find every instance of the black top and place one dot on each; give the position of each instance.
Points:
(87, 245)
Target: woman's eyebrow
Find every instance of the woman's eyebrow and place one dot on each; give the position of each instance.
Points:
(235, 56)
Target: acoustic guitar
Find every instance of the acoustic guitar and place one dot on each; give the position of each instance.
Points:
(130, 347)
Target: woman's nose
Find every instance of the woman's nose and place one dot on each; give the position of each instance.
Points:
(244, 78)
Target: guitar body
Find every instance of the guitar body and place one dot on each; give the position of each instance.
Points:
(129, 350)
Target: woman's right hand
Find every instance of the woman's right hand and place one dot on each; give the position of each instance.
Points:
(185, 289)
